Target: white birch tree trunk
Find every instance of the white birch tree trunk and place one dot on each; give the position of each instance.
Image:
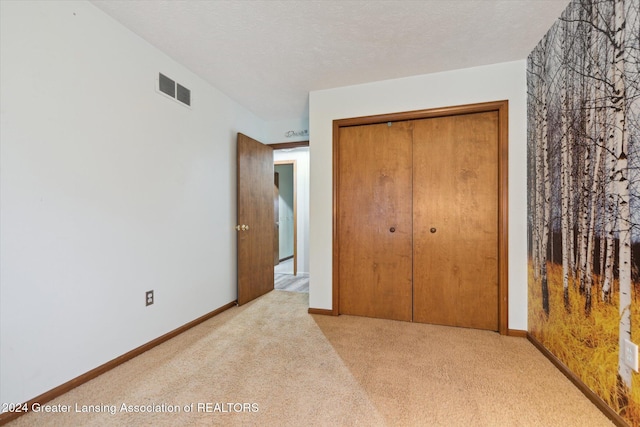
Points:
(592, 229)
(565, 171)
(546, 204)
(539, 208)
(536, 170)
(542, 178)
(610, 208)
(603, 246)
(583, 231)
(610, 225)
(603, 76)
(620, 182)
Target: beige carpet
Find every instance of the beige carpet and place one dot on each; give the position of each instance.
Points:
(296, 369)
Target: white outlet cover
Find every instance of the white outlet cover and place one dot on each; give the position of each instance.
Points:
(631, 355)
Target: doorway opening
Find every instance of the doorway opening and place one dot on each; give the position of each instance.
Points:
(285, 205)
(291, 201)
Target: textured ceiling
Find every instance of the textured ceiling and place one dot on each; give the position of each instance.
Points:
(268, 55)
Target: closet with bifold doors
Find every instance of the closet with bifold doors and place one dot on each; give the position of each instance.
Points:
(420, 216)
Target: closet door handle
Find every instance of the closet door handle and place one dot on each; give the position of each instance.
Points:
(433, 229)
(392, 229)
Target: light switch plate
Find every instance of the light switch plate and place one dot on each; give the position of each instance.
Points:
(631, 355)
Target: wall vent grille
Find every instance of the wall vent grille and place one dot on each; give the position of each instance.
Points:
(175, 90)
(166, 85)
(183, 94)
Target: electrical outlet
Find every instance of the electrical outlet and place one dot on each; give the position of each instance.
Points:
(631, 355)
(149, 297)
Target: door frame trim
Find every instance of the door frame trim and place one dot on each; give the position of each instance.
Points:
(502, 108)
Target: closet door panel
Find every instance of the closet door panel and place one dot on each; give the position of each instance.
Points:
(375, 220)
(455, 205)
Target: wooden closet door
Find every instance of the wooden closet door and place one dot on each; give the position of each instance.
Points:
(375, 230)
(455, 205)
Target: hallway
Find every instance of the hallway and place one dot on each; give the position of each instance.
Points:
(286, 281)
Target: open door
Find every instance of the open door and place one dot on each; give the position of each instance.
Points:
(255, 219)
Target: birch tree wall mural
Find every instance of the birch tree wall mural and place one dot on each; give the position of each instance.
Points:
(583, 82)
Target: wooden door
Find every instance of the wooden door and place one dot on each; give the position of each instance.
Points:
(455, 220)
(374, 195)
(255, 219)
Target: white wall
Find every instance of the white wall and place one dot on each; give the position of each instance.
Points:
(280, 131)
(301, 156)
(473, 85)
(108, 190)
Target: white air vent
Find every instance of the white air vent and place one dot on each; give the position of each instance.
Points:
(174, 90)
